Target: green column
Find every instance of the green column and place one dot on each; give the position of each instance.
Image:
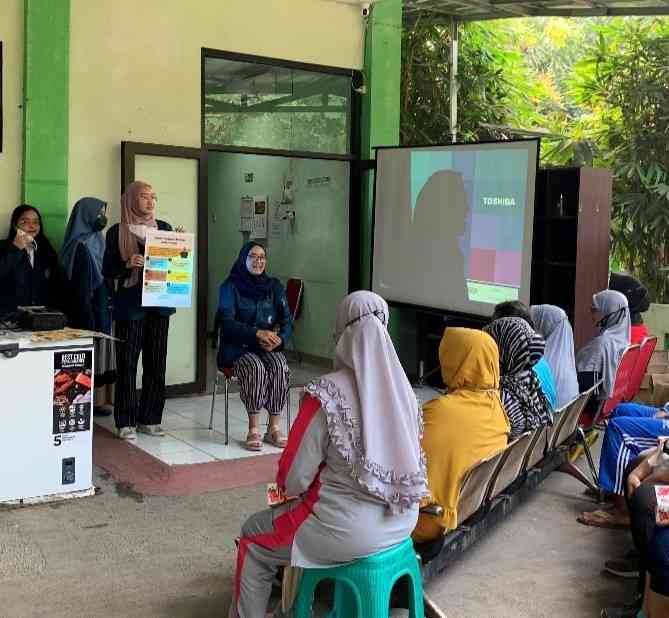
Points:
(46, 111)
(381, 106)
(381, 117)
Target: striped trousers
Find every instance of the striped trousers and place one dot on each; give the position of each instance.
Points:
(148, 336)
(263, 381)
(632, 429)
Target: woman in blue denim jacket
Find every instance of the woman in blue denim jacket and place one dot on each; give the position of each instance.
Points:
(255, 324)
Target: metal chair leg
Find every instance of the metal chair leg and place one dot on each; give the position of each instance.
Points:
(588, 454)
(575, 472)
(288, 413)
(213, 403)
(227, 410)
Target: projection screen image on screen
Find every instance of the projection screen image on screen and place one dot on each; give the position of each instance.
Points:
(453, 225)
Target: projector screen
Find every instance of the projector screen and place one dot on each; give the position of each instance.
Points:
(453, 225)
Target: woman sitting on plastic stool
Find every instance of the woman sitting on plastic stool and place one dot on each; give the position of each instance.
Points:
(255, 323)
(353, 458)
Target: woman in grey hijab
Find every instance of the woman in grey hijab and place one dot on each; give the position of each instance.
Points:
(552, 323)
(602, 354)
(353, 461)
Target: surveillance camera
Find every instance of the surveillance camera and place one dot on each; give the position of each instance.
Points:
(366, 8)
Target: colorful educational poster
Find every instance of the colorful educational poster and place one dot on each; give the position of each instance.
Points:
(168, 269)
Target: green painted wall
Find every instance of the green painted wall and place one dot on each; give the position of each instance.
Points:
(46, 111)
(313, 248)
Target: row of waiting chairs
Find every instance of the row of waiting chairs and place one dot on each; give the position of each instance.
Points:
(486, 480)
(489, 480)
(630, 372)
(534, 455)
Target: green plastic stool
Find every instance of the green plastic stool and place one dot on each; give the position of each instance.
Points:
(362, 588)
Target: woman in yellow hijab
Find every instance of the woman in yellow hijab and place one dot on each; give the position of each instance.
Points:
(464, 426)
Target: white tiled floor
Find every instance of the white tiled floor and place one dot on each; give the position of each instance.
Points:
(189, 440)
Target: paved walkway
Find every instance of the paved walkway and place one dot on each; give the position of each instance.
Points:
(120, 554)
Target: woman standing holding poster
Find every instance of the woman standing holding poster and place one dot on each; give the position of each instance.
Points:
(139, 329)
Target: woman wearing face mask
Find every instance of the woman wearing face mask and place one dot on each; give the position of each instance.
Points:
(255, 323)
(89, 293)
(28, 263)
(598, 359)
(353, 458)
(139, 329)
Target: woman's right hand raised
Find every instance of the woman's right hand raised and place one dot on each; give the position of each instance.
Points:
(22, 240)
(135, 261)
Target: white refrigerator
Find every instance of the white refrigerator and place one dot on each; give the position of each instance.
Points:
(46, 416)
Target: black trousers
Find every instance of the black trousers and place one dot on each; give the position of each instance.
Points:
(148, 336)
(651, 541)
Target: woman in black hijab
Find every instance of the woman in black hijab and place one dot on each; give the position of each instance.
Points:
(255, 323)
(638, 299)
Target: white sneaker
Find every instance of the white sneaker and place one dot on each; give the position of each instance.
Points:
(126, 433)
(151, 430)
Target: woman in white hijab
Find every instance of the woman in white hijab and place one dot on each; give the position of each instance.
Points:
(552, 323)
(353, 459)
(601, 355)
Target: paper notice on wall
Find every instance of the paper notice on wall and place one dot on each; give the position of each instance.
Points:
(168, 269)
(260, 208)
(246, 214)
(276, 222)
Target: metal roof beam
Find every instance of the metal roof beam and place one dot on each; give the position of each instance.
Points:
(573, 13)
(475, 10)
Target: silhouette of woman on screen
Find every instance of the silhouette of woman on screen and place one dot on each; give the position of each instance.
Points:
(437, 236)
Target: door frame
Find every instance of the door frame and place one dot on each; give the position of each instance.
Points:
(129, 150)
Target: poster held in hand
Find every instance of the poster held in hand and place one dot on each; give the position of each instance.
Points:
(168, 269)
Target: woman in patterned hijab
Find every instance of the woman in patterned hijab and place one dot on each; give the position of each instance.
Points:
(520, 348)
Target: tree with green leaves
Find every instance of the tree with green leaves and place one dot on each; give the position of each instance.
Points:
(494, 83)
(598, 87)
(623, 80)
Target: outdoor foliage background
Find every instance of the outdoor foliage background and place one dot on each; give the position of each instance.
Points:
(599, 90)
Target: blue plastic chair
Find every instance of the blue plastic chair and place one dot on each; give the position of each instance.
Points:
(363, 587)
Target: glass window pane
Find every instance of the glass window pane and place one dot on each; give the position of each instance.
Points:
(265, 106)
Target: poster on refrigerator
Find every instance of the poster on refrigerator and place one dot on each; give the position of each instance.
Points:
(72, 390)
(168, 269)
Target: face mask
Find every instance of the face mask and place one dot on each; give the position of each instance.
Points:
(100, 223)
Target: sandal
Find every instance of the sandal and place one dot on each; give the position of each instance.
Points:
(253, 441)
(602, 519)
(275, 438)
